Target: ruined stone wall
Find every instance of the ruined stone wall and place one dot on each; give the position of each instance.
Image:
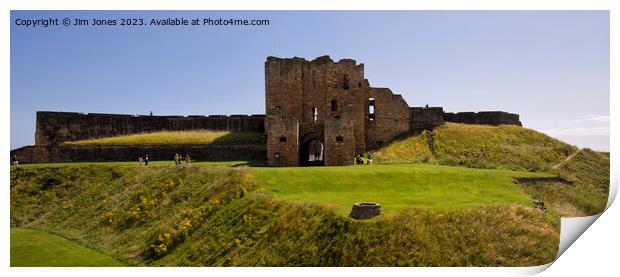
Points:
(391, 117)
(158, 152)
(426, 118)
(53, 128)
(487, 118)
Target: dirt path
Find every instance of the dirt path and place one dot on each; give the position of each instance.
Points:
(566, 160)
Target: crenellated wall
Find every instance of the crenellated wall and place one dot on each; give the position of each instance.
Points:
(54, 128)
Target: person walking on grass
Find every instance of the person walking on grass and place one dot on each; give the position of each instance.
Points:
(15, 160)
(146, 159)
(177, 159)
(140, 160)
(188, 160)
(368, 158)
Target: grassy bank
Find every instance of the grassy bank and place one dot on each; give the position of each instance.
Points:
(226, 216)
(590, 172)
(180, 137)
(40, 248)
(480, 146)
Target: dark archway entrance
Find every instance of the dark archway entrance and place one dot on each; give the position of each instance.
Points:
(311, 150)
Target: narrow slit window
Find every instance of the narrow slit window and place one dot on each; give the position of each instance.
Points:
(345, 81)
(334, 105)
(339, 139)
(315, 114)
(371, 108)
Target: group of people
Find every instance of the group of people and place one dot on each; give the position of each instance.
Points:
(317, 155)
(178, 159)
(360, 161)
(144, 159)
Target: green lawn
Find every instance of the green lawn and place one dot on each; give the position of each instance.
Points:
(153, 163)
(180, 137)
(40, 248)
(394, 186)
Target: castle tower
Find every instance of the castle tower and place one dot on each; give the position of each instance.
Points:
(322, 112)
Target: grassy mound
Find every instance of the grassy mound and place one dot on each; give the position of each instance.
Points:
(179, 137)
(208, 215)
(40, 248)
(480, 146)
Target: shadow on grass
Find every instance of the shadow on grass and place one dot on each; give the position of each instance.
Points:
(241, 138)
(253, 163)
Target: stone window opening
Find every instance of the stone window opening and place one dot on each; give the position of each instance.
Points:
(279, 108)
(276, 159)
(339, 139)
(315, 114)
(334, 105)
(359, 85)
(371, 108)
(282, 139)
(345, 81)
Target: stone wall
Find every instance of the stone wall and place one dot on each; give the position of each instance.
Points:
(391, 117)
(486, 118)
(282, 141)
(340, 140)
(426, 117)
(115, 153)
(53, 128)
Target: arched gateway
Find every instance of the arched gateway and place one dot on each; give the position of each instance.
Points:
(311, 150)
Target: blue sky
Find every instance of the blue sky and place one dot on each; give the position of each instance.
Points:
(551, 67)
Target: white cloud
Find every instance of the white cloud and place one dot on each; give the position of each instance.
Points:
(593, 118)
(579, 131)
